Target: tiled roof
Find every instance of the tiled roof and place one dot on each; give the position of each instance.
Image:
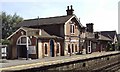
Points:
(45, 21)
(109, 34)
(90, 35)
(44, 34)
(101, 37)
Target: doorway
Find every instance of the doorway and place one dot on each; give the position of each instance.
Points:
(51, 48)
(21, 46)
(21, 51)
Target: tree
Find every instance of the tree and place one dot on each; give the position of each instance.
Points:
(5, 42)
(8, 23)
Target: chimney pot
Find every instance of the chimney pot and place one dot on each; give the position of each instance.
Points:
(71, 7)
(69, 11)
(89, 27)
(67, 7)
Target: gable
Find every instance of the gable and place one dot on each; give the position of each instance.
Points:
(16, 32)
(115, 39)
(75, 23)
(74, 19)
(109, 34)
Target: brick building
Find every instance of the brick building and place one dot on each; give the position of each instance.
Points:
(52, 36)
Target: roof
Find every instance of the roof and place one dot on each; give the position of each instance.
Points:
(45, 21)
(101, 37)
(91, 36)
(23, 28)
(43, 34)
(109, 34)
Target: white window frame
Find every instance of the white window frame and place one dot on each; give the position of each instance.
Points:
(19, 39)
(89, 47)
(75, 48)
(72, 26)
(68, 48)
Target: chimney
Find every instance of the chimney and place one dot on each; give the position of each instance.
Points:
(89, 27)
(96, 35)
(83, 29)
(69, 11)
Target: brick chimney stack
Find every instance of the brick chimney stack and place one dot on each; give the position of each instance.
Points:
(69, 11)
(89, 27)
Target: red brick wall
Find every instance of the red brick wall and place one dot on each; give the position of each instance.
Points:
(13, 48)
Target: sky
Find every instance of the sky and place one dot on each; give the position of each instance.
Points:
(103, 13)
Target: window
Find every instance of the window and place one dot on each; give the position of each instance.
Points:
(72, 28)
(72, 48)
(45, 48)
(23, 40)
(75, 47)
(68, 48)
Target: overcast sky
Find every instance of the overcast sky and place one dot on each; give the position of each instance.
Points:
(103, 13)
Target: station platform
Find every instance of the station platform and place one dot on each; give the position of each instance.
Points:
(21, 64)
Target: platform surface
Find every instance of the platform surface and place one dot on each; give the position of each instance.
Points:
(21, 64)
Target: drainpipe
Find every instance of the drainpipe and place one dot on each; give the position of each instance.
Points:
(70, 45)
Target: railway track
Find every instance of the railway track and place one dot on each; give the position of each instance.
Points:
(111, 68)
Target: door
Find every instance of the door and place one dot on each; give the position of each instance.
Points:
(22, 51)
(51, 48)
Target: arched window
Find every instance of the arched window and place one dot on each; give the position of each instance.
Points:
(58, 47)
(72, 48)
(72, 28)
(68, 48)
(75, 47)
(45, 46)
(22, 40)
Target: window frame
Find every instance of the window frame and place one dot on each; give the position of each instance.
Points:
(72, 28)
(68, 48)
(58, 45)
(72, 45)
(19, 41)
(76, 48)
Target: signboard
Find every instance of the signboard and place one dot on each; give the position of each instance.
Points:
(32, 49)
